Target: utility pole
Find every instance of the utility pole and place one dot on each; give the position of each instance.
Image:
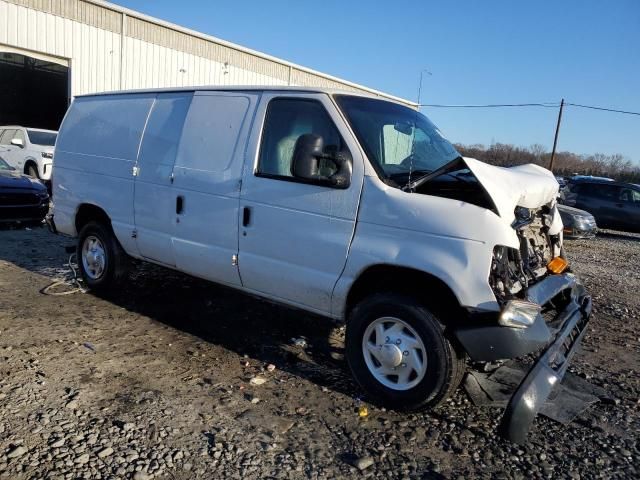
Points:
(555, 139)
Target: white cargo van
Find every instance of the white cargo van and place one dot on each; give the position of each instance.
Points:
(348, 206)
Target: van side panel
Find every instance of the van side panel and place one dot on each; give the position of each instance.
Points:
(154, 198)
(207, 176)
(96, 150)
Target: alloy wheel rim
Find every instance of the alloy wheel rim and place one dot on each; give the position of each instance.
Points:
(394, 353)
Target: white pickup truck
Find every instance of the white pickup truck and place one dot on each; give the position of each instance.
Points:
(344, 205)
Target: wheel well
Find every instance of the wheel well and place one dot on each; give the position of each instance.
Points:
(87, 213)
(29, 162)
(426, 288)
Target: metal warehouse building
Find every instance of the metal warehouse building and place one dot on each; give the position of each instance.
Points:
(52, 50)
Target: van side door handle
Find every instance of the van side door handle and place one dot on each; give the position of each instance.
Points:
(179, 204)
(246, 216)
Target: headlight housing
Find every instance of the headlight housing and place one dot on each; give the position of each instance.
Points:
(522, 216)
(582, 219)
(519, 314)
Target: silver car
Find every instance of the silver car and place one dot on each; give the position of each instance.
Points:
(577, 223)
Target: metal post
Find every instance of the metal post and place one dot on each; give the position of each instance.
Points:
(123, 36)
(555, 139)
(420, 85)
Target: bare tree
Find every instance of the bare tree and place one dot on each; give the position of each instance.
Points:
(615, 166)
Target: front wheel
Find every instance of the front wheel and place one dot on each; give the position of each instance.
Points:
(101, 259)
(399, 354)
(32, 171)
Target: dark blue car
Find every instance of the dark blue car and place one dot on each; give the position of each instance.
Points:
(614, 205)
(23, 199)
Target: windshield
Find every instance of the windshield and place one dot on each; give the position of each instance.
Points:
(42, 138)
(402, 144)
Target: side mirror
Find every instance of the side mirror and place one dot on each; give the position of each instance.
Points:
(18, 142)
(309, 151)
(306, 153)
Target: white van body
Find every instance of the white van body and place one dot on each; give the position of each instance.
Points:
(177, 175)
(28, 150)
(214, 169)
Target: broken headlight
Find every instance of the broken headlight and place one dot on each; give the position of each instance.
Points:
(519, 314)
(523, 217)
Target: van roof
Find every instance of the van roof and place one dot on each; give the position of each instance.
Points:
(254, 88)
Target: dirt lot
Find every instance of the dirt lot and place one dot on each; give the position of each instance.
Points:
(159, 381)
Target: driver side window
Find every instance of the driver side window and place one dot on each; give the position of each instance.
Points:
(629, 195)
(286, 120)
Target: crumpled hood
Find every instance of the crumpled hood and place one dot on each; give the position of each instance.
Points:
(529, 186)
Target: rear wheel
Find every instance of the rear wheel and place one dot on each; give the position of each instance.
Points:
(101, 259)
(399, 354)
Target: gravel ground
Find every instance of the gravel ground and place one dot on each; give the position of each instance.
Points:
(176, 378)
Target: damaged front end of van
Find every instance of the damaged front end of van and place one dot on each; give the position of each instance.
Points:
(491, 236)
(544, 307)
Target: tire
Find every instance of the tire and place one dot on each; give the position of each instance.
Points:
(32, 171)
(101, 260)
(445, 364)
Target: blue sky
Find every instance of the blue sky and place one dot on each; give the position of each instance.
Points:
(586, 51)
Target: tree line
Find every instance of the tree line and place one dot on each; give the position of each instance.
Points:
(615, 166)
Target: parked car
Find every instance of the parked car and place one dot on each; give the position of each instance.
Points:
(22, 199)
(347, 206)
(561, 181)
(29, 150)
(577, 223)
(577, 178)
(614, 205)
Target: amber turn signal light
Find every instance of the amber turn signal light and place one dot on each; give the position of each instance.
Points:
(557, 265)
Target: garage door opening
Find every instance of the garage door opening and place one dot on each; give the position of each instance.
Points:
(33, 92)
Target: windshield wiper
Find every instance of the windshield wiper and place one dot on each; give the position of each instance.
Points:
(425, 178)
(399, 175)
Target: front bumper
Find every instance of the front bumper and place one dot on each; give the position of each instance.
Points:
(558, 340)
(23, 213)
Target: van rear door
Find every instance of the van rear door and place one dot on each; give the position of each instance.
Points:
(154, 200)
(206, 186)
(96, 150)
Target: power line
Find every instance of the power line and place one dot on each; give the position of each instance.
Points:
(603, 108)
(544, 105)
(494, 105)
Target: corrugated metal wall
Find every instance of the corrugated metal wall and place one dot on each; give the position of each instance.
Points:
(153, 53)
